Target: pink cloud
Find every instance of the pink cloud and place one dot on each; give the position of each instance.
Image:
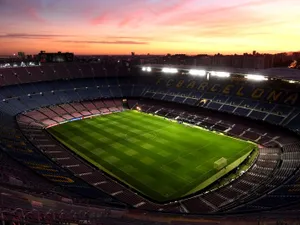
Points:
(133, 18)
(16, 10)
(136, 14)
(173, 8)
(99, 20)
(34, 14)
(197, 16)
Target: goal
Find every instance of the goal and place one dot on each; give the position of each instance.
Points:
(220, 163)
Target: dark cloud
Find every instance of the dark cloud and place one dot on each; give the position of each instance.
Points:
(122, 40)
(31, 36)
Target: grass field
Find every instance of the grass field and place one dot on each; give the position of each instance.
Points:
(161, 159)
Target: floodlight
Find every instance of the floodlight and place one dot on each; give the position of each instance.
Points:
(169, 70)
(220, 74)
(255, 77)
(223, 74)
(147, 69)
(197, 72)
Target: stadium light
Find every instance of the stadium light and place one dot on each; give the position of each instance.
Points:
(147, 69)
(255, 77)
(219, 74)
(197, 72)
(169, 70)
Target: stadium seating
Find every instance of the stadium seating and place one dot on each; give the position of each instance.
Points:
(33, 98)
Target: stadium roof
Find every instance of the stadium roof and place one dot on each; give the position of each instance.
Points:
(283, 73)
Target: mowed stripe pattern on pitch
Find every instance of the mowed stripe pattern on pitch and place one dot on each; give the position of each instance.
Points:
(161, 159)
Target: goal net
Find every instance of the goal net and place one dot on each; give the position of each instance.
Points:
(220, 163)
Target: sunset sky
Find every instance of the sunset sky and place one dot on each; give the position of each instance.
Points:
(149, 26)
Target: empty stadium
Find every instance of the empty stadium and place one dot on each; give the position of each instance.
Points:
(40, 104)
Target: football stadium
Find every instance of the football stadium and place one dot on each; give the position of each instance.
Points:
(103, 143)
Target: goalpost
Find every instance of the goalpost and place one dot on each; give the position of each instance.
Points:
(220, 163)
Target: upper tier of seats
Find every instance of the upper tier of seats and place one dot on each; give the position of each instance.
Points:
(273, 102)
(47, 72)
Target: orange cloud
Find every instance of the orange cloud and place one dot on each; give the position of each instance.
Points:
(112, 42)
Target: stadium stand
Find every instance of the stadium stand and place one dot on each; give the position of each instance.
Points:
(35, 164)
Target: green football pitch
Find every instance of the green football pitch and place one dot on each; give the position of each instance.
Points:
(161, 159)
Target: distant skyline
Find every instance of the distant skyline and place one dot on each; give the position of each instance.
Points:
(149, 26)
